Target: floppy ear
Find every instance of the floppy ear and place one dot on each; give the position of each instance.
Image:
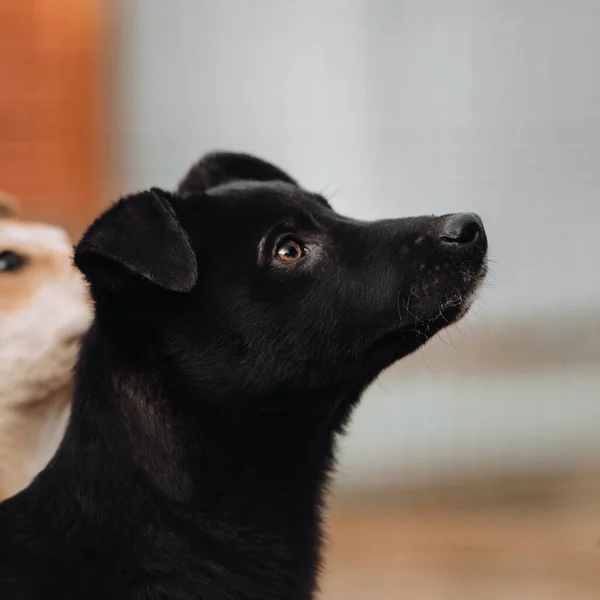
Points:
(218, 168)
(138, 238)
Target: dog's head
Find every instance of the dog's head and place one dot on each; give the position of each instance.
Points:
(246, 283)
(44, 309)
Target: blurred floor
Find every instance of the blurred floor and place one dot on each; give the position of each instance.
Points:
(539, 544)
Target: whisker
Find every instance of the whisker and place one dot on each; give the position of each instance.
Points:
(448, 343)
(413, 292)
(381, 386)
(330, 192)
(451, 340)
(398, 306)
(425, 360)
(406, 306)
(441, 311)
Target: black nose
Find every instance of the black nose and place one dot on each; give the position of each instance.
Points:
(462, 228)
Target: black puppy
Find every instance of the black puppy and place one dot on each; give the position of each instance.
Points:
(237, 323)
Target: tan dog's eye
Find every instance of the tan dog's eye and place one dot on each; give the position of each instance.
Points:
(289, 250)
(10, 261)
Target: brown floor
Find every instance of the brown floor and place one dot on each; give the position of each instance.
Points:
(533, 550)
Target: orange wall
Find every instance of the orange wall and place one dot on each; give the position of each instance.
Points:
(53, 107)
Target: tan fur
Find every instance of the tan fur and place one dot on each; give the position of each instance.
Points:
(44, 311)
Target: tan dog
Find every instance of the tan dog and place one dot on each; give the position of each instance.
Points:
(44, 311)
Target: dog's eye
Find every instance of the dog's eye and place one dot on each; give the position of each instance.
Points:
(10, 261)
(289, 250)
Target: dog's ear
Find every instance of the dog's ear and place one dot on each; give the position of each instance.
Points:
(218, 168)
(138, 239)
(9, 207)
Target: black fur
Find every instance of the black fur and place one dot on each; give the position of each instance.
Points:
(224, 167)
(214, 381)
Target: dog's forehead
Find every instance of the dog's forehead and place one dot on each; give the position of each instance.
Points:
(250, 209)
(39, 236)
(272, 199)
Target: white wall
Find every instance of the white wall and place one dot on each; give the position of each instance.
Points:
(268, 76)
(439, 426)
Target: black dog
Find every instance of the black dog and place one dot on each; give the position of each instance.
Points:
(237, 323)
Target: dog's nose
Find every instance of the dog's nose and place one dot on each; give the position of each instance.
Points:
(462, 228)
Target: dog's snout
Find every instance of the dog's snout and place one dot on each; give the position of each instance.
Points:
(462, 228)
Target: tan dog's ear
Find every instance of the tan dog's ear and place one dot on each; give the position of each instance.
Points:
(9, 207)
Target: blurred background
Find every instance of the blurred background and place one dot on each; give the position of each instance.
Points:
(472, 469)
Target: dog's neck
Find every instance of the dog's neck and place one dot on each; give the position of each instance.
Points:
(260, 474)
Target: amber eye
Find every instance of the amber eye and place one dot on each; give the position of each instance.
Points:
(289, 250)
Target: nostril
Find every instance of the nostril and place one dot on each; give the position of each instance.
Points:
(469, 233)
(463, 228)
